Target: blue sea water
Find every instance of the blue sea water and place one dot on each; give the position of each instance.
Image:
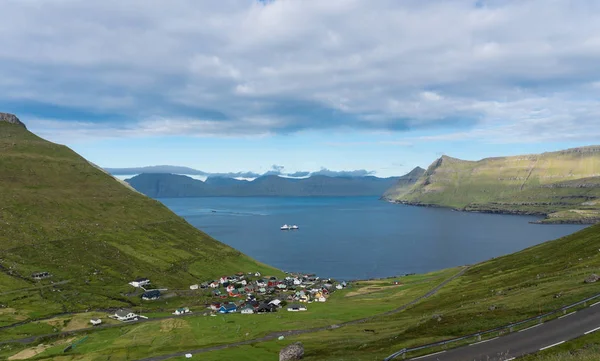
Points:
(360, 237)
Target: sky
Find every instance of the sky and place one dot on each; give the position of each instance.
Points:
(241, 85)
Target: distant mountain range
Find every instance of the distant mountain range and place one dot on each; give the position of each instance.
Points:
(275, 170)
(563, 185)
(174, 185)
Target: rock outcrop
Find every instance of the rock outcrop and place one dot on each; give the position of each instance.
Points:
(292, 352)
(11, 118)
(592, 278)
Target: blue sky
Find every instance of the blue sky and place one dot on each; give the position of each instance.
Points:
(240, 85)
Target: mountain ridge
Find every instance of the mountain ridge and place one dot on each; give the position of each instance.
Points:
(562, 185)
(173, 185)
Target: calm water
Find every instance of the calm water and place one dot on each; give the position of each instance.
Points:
(360, 237)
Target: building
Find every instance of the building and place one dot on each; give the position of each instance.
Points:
(140, 282)
(40, 275)
(215, 306)
(194, 287)
(248, 310)
(151, 295)
(125, 315)
(296, 307)
(228, 308)
(181, 311)
(95, 321)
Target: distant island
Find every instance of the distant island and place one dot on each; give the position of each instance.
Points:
(174, 185)
(563, 185)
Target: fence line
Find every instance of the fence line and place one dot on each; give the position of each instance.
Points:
(481, 333)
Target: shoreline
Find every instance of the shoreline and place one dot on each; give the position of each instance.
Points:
(547, 220)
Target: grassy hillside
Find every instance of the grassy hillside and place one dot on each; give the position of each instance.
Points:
(60, 214)
(564, 185)
(404, 183)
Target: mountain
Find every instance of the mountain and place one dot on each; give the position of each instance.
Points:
(155, 169)
(404, 183)
(60, 214)
(563, 185)
(172, 185)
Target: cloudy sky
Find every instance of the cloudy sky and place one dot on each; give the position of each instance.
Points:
(240, 85)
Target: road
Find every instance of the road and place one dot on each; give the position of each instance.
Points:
(529, 340)
(36, 288)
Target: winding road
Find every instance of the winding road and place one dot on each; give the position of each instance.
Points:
(538, 337)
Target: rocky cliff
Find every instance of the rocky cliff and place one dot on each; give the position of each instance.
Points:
(12, 119)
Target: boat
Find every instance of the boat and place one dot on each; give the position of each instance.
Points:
(294, 227)
(285, 227)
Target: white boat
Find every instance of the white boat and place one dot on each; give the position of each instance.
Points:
(285, 227)
(294, 227)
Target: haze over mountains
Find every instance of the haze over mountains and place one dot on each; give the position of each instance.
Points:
(173, 185)
(564, 185)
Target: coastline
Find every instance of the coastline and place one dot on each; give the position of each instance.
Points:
(549, 220)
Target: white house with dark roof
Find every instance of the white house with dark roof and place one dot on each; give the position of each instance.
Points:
(125, 315)
(140, 282)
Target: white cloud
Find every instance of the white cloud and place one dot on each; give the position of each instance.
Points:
(506, 71)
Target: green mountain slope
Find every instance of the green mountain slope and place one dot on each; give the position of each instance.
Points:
(404, 183)
(564, 185)
(60, 214)
(173, 185)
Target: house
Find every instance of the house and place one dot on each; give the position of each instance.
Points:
(266, 307)
(214, 284)
(281, 286)
(215, 306)
(321, 299)
(297, 282)
(223, 279)
(204, 285)
(275, 302)
(228, 308)
(257, 274)
(243, 282)
(125, 315)
(140, 282)
(339, 286)
(261, 283)
(230, 288)
(262, 290)
(95, 321)
(272, 278)
(40, 275)
(151, 295)
(248, 310)
(217, 292)
(181, 311)
(194, 287)
(296, 307)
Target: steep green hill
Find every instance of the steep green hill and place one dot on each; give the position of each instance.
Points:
(60, 214)
(564, 185)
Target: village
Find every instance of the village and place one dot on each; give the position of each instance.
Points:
(246, 293)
